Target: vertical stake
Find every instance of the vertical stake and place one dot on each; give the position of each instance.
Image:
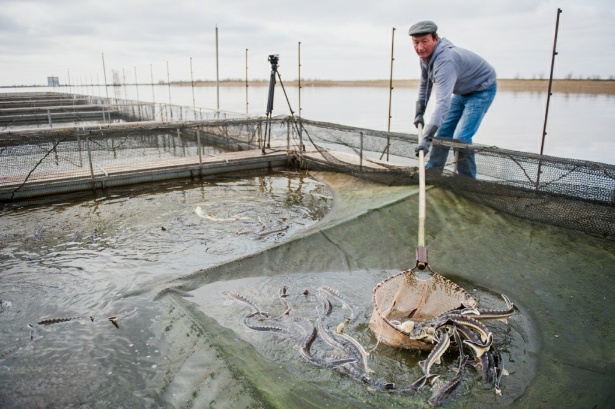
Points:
(544, 129)
(247, 112)
(217, 75)
(192, 82)
(299, 77)
(169, 83)
(151, 72)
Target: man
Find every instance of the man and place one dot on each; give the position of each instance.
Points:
(465, 88)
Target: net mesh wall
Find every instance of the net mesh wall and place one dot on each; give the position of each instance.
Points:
(568, 193)
(44, 157)
(47, 110)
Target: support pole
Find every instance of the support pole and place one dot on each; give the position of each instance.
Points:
(247, 111)
(105, 76)
(87, 142)
(124, 80)
(544, 129)
(299, 78)
(198, 147)
(386, 149)
(217, 75)
(391, 83)
(192, 82)
(169, 84)
(69, 87)
(361, 154)
(151, 72)
(137, 87)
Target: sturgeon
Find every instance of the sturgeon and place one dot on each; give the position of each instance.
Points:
(268, 328)
(284, 298)
(476, 325)
(499, 371)
(495, 314)
(443, 393)
(345, 343)
(482, 363)
(436, 353)
(305, 350)
(244, 300)
(335, 294)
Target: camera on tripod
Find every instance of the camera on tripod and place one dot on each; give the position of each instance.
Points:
(273, 59)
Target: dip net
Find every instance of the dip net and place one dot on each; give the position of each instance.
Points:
(413, 297)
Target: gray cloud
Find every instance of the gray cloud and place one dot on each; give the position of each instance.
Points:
(339, 39)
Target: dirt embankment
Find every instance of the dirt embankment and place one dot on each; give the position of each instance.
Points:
(516, 85)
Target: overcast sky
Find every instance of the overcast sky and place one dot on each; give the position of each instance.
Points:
(340, 40)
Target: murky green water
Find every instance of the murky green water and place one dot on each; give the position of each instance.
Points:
(158, 262)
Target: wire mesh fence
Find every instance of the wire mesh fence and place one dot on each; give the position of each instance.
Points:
(565, 192)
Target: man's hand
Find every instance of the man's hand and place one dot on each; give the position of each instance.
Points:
(430, 132)
(418, 117)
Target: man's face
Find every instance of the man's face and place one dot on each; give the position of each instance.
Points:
(424, 45)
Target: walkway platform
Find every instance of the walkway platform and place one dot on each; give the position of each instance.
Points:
(11, 188)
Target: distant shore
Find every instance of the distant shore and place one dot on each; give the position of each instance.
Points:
(518, 85)
(566, 86)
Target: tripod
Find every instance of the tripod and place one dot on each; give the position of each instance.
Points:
(273, 59)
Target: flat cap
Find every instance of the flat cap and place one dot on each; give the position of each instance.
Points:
(423, 27)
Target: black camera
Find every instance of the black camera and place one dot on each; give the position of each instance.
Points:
(273, 59)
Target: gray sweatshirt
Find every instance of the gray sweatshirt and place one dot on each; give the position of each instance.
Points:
(454, 70)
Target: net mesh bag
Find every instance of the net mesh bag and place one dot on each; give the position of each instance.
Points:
(406, 299)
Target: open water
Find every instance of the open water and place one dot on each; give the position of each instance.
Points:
(579, 126)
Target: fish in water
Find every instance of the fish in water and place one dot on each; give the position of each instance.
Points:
(49, 321)
(345, 343)
(284, 298)
(434, 356)
(336, 295)
(494, 314)
(233, 295)
(440, 395)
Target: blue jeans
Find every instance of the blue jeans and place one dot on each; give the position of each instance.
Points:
(461, 124)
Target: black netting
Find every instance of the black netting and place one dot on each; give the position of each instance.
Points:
(564, 192)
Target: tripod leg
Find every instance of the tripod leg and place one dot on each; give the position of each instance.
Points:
(267, 133)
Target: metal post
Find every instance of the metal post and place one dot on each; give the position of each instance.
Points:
(247, 111)
(391, 80)
(198, 146)
(137, 88)
(299, 77)
(79, 149)
(169, 83)
(217, 75)
(49, 118)
(69, 87)
(124, 81)
(361, 154)
(105, 76)
(192, 82)
(87, 142)
(151, 71)
(390, 92)
(544, 129)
